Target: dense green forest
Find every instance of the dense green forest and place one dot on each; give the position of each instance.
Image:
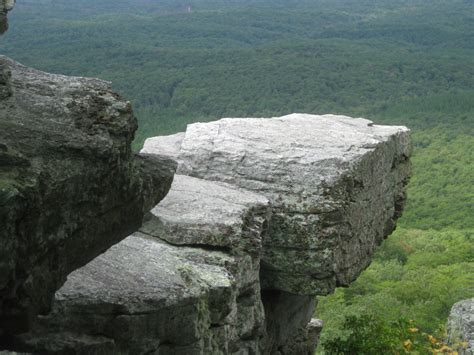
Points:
(395, 62)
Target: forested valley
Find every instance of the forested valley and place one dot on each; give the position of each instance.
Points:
(394, 62)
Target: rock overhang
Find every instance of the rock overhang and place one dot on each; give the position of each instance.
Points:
(251, 230)
(336, 185)
(279, 204)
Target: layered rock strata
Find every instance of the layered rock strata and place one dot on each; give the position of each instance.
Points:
(336, 184)
(461, 327)
(268, 214)
(217, 268)
(70, 186)
(187, 283)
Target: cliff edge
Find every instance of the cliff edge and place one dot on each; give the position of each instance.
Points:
(263, 215)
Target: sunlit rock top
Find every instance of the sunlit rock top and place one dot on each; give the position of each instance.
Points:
(336, 185)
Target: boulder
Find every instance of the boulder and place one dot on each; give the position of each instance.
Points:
(187, 283)
(336, 184)
(70, 185)
(461, 327)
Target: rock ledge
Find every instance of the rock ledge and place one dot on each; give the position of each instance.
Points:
(263, 215)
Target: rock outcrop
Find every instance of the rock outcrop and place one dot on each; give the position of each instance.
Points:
(187, 283)
(336, 184)
(265, 214)
(5, 7)
(70, 186)
(461, 327)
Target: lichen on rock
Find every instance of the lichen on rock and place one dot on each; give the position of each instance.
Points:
(264, 215)
(460, 327)
(70, 185)
(336, 184)
(187, 283)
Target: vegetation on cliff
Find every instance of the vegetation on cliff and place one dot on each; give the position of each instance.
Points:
(395, 62)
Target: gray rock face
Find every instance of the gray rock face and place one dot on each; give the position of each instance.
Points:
(461, 327)
(5, 6)
(70, 186)
(209, 214)
(198, 295)
(289, 327)
(336, 185)
(266, 214)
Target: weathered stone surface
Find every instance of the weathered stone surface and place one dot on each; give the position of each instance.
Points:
(461, 327)
(304, 340)
(198, 296)
(337, 186)
(66, 343)
(169, 146)
(70, 186)
(287, 318)
(5, 6)
(5, 81)
(200, 212)
(268, 213)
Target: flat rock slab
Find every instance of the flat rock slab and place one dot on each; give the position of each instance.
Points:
(210, 214)
(200, 294)
(336, 184)
(70, 186)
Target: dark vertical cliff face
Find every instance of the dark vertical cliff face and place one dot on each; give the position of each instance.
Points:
(70, 186)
